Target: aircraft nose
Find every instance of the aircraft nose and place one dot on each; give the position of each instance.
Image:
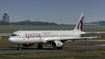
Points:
(12, 40)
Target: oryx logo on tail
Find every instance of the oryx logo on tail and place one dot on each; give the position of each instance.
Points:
(79, 25)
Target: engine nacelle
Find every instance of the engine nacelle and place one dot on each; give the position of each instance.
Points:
(57, 44)
(27, 45)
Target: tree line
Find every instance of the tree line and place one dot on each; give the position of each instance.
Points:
(27, 22)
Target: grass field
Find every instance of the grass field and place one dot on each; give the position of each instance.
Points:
(90, 54)
(10, 29)
(83, 54)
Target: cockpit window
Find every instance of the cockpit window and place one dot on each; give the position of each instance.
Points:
(13, 35)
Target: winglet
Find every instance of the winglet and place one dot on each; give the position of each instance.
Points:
(79, 25)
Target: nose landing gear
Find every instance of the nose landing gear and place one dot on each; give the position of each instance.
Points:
(19, 48)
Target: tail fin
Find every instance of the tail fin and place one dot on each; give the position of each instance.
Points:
(79, 25)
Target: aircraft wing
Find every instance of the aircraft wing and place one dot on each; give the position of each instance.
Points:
(94, 32)
(69, 38)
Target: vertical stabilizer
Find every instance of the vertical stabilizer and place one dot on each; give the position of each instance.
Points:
(79, 25)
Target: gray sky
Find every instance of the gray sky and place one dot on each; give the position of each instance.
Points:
(58, 11)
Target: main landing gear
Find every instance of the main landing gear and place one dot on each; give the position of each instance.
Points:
(59, 48)
(40, 46)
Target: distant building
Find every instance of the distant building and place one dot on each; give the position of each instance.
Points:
(87, 24)
(102, 23)
(6, 17)
(95, 23)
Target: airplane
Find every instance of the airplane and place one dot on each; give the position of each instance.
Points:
(56, 38)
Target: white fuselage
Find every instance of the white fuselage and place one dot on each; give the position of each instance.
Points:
(56, 37)
(32, 37)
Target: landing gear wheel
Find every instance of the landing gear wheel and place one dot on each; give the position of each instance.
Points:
(19, 48)
(40, 46)
(59, 48)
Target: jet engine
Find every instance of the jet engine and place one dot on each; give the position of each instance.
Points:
(27, 45)
(57, 44)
